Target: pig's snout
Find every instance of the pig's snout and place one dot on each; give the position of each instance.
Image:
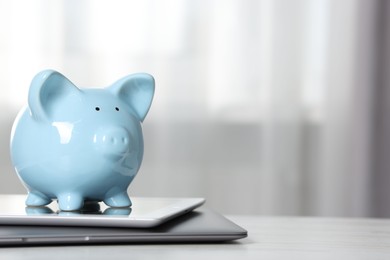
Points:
(112, 140)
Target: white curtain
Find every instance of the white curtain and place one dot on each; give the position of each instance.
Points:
(262, 107)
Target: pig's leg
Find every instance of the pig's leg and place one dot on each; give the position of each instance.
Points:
(36, 198)
(118, 200)
(70, 201)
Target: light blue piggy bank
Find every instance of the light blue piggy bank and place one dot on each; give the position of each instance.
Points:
(80, 145)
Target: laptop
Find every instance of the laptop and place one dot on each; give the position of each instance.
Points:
(193, 226)
(199, 226)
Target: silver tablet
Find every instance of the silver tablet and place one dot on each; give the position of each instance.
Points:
(144, 213)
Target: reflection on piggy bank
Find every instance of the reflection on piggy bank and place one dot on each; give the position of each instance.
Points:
(77, 145)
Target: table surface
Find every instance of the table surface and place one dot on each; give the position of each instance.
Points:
(269, 238)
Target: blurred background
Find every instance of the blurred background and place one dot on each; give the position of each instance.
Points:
(270, 107)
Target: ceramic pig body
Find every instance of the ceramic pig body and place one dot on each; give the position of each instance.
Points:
(80, 145)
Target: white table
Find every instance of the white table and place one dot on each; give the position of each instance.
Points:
(269, 238)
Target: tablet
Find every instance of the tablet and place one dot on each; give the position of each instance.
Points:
(144, 213)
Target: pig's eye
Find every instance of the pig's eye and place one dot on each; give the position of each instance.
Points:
(117, 108)
(97, 108)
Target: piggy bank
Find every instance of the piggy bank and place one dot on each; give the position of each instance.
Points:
(77, 145)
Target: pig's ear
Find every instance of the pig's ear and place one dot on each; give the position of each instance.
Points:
(137, 91)
(47, 88)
